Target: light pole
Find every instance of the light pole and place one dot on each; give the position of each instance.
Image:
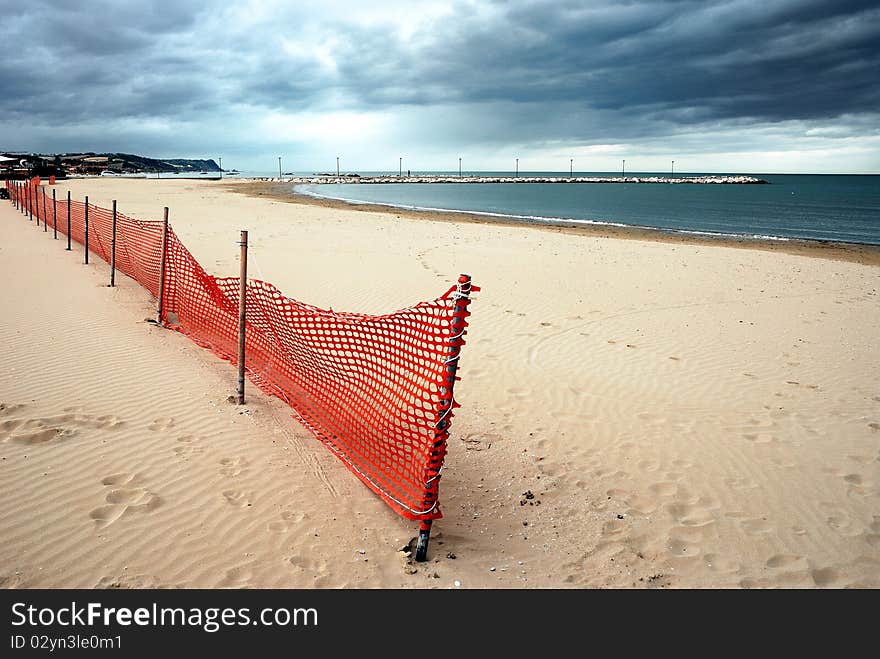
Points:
(400, 167)
(517, 167)
(337, 166)
(459, 168)
(279, 166)
(673, 169)
(571, 168)
(623, 171)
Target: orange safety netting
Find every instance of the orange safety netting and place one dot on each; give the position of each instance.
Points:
(377, 390)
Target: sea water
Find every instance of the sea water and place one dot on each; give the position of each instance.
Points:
(840, 208)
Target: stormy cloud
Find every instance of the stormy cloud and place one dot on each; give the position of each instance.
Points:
(592, 80)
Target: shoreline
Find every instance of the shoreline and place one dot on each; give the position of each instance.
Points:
(838, 251)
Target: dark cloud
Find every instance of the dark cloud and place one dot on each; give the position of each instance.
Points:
(733, 59)
(491, 72)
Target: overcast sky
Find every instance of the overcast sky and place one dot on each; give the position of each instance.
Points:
(727, 86)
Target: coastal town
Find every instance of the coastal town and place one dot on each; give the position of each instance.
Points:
(21, 166)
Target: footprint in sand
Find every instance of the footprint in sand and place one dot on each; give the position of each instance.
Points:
(237, 577)
(288, 520)
(760, 437)
(690, 515)
(664, 489)
(234, 466)
(614, 528)
(684, 542)
(825, 577)
(300, 562)
(123, 500)
(237, 498)
(784, 561)
(721, 564)
(7, 409)
(187, 450)
(843, 524)
(119, 479)
(641, 505)
(43, 430)
(161, 425)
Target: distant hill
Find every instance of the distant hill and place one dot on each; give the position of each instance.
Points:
(166, 165)
(129, 162)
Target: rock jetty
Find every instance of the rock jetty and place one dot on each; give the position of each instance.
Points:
(674, 180)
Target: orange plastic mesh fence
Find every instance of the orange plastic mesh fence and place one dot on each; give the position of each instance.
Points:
(377, 390)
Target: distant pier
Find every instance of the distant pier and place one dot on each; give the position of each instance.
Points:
(674, 180)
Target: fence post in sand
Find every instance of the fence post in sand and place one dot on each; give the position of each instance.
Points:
(86, 239)
(113, 249)
(37, 206)
(68, 220)
(30, 189)
(15, 194)
(453, 348)
(54, 216)
(242, 293)
(162, 267)
(45, 212)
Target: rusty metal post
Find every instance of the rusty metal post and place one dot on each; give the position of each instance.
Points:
(45, 213)
(30, 189)
(450, 368)
(68, 220)
(113, 249)
(54, 216)
(242, 294)
(86, 239)
(162, 261)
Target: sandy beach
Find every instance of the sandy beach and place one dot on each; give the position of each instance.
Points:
(638, 411)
